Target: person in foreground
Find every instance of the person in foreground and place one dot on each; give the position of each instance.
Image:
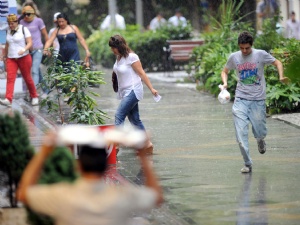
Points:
(250, 94)
(130, 75)
(89, 200)
(16, 55)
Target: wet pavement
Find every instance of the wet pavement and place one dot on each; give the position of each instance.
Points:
(198, 160)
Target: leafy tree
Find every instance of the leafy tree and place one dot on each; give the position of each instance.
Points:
(74, 79)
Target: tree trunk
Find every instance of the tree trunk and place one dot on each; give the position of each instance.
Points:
(249, 9)
(193, 7)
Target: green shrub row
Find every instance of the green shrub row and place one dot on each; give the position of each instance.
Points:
(148, 45)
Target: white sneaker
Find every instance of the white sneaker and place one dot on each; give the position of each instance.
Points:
(34, 101)
(246, 169)
(5, 102)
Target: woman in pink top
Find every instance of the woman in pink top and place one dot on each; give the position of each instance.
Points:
(37, 28)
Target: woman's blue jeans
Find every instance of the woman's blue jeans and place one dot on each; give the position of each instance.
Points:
(129, 107)
(37, 56)
(245, 112)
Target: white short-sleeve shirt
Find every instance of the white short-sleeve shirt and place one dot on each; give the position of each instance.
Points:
(128, 79)
(17, 42)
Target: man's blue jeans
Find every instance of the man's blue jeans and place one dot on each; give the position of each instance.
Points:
(129, 107)
(245, 112)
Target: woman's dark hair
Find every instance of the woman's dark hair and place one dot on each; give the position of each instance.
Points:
(92, 159)
(245, 38)
(118, 42)
(64, 16)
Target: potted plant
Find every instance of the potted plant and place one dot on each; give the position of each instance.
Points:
(72, 81)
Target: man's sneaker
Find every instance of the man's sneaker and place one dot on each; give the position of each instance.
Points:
(261, 146)
(246, 169)
(34, 101)
(5, 102)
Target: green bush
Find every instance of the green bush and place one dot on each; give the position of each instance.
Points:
(282, 98)
(15, 150)
(148, 45)
(270, 38)
(210, 58)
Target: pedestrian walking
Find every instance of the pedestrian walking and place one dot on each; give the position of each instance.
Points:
(177, 19)
(108, 24)
(16, 55)
(67, 35)
(55, 42)
(157, 22)
(250, 94)
(292, 27)
(89, 200)
(130, 75)
(37, 28)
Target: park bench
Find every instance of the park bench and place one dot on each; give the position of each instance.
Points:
(179, 51)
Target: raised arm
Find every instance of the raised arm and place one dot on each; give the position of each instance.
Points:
(33, 170)
(151, 179)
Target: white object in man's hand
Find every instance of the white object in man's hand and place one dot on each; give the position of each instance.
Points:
(224, 95)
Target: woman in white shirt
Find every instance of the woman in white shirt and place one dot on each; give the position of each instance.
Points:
(130, 74)
(18, 43)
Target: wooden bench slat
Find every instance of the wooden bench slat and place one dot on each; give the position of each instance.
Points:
(181, 50)
(182, 42)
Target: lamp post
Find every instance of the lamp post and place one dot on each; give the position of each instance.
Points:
(112, 10)
(139, 13)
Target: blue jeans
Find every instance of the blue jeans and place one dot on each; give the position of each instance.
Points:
(129, 107)
(245, 112)
(37, 56)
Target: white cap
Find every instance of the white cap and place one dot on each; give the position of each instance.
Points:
(91, 135)
(80, 134)
(55, 15)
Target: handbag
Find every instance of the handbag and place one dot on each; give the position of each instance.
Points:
(114, 80)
